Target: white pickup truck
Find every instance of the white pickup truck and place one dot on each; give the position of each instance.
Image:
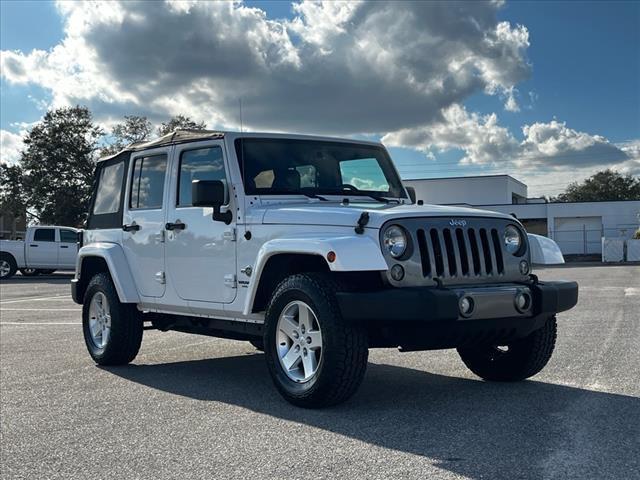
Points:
(44, 250)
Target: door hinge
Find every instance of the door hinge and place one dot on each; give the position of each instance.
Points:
(230, 280)
(160, 278)
(230, 234)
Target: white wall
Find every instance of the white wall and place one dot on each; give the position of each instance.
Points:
(469, 190)
(618, 220)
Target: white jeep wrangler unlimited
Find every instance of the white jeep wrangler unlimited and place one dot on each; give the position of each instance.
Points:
(312, 250)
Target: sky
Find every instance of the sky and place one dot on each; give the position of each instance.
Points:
(548, 92)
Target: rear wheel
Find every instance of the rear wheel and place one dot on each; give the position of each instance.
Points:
(8, 266)
(29, 272)
(112, 330)
(315, 358)
(520, 359)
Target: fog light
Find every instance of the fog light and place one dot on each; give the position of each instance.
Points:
(466, 305)
(397, 272)
(524, 267)
(523, 301)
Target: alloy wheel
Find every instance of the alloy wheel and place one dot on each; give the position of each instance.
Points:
(99, 320)
(299, 341)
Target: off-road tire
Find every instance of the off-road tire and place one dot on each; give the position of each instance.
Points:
(126, 325)
(524, 358)
(13, 267)
(345, 350)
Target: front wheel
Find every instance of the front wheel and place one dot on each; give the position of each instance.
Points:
(112, 330)
(315, 358)
(520, 359)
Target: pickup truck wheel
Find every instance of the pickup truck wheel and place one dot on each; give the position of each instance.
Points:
(522, 358)
(112, 330)
(314, 357)
(8, 266)
(29, 272)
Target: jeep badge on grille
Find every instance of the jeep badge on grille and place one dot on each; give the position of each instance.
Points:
(456, 222)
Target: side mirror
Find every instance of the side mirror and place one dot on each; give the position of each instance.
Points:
(412, 194)
(208, 193)
(211, 193)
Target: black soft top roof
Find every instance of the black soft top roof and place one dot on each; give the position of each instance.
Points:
(173, 138)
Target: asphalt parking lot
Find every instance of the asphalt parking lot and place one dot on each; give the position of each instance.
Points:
(199, 407)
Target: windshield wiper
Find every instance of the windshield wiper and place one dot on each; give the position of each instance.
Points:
(361, 193)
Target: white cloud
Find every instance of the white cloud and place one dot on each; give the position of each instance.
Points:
(480, 137)
(345, 68)
(485, 142)
(10, 147)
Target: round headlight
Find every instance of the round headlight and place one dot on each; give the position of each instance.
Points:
(512, 239)
(395, 241)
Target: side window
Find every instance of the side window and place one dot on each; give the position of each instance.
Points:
(44, 235)
(68, 236)
(109, 189)
(201, 164)
(147, 185)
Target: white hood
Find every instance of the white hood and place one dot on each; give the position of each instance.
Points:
(335, 213)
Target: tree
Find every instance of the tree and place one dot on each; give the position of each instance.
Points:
(134, 129)
(180, 121)
(12, 198)
(605, 185)
(57, 166)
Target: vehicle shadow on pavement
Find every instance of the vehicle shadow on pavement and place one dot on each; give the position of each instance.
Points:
(469, 427)
(53, 279)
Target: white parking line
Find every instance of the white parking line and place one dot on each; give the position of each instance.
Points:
(40, 323)
(40, 309)
(37, 299)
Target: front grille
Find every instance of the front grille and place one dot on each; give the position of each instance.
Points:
(460, 252)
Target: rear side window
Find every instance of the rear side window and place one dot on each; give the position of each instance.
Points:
(44, 235)
(147, 186)
(109, 189)
(68, 236)
(201, 164)
(108, 197)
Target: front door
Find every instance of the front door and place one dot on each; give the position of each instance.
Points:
(143, 220)
(201, 252)
(67, 248)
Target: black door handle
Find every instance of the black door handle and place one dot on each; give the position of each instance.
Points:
(33, 245)
(133, 227)
(64, 246)
(175, 226)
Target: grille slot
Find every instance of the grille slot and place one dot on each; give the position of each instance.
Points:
(460, 252)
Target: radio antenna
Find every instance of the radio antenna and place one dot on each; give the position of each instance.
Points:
(243, 172)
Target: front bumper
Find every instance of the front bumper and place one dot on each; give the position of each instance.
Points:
(420, 304)
(429, 318)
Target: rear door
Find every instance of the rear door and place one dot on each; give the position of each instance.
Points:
(67, 248)
(42, 250)
(201, 254)
(143, 218)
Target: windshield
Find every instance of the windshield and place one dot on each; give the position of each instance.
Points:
(274, 166)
